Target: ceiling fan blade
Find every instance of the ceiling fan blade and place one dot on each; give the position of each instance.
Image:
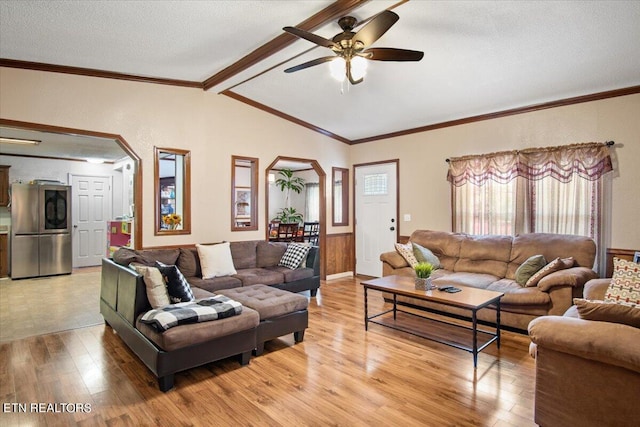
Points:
(375, 28)
(310, 64)
(313, 38)
(391, 54)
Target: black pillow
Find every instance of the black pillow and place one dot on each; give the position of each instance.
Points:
(177, 286)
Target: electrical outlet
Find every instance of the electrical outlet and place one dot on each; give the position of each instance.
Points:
(407, 217)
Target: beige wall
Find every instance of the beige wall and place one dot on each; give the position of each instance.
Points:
(212, 126)
(424, 190)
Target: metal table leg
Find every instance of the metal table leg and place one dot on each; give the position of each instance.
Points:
(366, 314)
(475, 338)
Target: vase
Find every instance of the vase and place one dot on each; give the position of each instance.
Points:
(423, 283)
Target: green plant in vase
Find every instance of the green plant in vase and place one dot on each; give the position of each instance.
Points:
(423, 275)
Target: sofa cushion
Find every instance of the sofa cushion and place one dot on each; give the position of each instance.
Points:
(292, 275)
(474, 280)
(555, 265)
(514, 294)
(581, 248)
(188, 335)
(269, 253)
(244, 254)
(177, 286)
(189, 262)
(165, 256)
(216, 260)
(423, 254)
(254, 276)
(267, 301)
(608, 312)
(156, 288)
(484, 254)
(444, 245)
(294, 255)
(406, 252)
(216, 283)
(528, 268)
(624, 287)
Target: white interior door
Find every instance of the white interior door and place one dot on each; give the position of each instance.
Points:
(90, 210)
(375, 209)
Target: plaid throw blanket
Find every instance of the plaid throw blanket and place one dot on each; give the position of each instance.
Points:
(203, 310)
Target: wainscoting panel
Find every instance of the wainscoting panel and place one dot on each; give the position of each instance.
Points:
(340, 253)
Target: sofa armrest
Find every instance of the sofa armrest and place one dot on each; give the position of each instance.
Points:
(574, 277)
(604, 342)
(394, 259)
(596, 288)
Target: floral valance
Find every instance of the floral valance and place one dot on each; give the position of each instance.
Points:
(589, 161)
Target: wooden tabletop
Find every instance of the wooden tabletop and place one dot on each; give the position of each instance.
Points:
(468, 297)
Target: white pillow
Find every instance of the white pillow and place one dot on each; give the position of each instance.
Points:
(157, 293)
(216, 260)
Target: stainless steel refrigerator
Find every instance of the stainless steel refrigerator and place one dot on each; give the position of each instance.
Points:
(40, 230)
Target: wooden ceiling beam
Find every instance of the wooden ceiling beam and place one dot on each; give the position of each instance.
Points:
(328, 14)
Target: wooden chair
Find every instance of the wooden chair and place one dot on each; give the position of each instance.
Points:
(311, 232)
(287, 232)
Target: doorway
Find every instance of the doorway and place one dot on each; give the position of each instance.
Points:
(282, 162)
(91, 208)
(376, 214)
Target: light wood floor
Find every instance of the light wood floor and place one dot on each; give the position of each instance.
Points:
(339, 375)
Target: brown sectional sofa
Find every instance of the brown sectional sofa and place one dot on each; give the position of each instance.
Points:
(490, 262)
(256, 262)
(123, 301)
(587, 372)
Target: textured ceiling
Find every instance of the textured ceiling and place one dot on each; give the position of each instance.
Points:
(480, 57)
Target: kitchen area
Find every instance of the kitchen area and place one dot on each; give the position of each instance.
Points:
(55, 211)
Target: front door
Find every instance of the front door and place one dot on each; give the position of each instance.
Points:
(91, 208)
(376, 210)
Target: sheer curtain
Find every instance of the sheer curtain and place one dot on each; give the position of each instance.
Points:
(312, 202)
(544, 190)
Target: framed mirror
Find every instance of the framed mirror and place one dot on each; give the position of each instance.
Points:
(244, 193)
(172, 187)
(340, 205)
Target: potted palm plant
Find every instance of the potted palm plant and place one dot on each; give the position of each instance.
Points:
(423, 275)
(288, 182)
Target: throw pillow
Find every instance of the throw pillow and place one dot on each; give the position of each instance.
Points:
(608, 312)
(216, 260)
(154, 283)
(423, 254)
(407, 253)
(294, 255)
(625, 283)
(528, 268)
(555, 265)
(177, 286)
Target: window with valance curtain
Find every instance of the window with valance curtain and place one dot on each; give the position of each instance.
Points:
(543, 190)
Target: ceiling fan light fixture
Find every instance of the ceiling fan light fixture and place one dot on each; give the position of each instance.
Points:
(338, 69)
(358, 67)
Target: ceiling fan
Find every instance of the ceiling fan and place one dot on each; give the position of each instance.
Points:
(352, 48)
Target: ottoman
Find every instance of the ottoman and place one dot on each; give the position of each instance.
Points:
(281, 312)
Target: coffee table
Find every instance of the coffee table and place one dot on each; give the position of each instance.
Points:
(469, 298)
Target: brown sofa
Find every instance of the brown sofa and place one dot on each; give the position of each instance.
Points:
(123, 301)
(587, 372)
(490, 262)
